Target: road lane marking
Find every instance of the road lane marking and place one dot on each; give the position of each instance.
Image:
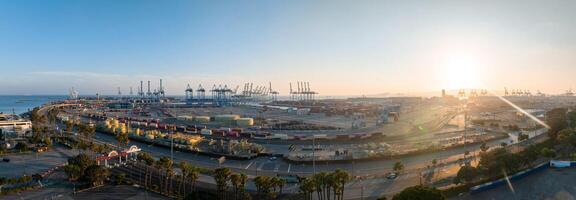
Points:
(289, 165)
(249, 164)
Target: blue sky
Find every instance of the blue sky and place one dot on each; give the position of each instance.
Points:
(340, 47)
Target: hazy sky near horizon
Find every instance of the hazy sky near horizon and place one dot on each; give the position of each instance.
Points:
(340, 47)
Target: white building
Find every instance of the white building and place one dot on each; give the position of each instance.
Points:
(14, 126)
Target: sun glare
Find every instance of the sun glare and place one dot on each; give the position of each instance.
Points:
(460, 72)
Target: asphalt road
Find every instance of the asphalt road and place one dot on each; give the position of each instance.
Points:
(266, 166)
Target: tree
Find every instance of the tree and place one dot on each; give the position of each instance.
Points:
(556, 119)
(166, 164)
(239, 183)
(548, 153)
(95, 175)
(119, 178)
(86, 130)
(306, 188)
(320, 183)
(82, 161)
(572, 119)
(143, 156)
(465, 175)
(419, 192)
(221, 176)
(21, 147)
(529, 154)
(122, 139)
(398, 166)
(73, 172)
(492, 163)
(567, 136)
(36, 117)
(184, 167)
(277, 183)
(341, 177)
(193, 175)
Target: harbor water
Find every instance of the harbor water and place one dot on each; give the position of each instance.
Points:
(22, 103)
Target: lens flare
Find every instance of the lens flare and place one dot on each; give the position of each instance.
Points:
(521, 110)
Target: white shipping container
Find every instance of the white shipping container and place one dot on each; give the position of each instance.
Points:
(206, 132)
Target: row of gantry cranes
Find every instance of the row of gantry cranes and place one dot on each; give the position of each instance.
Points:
(219, 94)
(484, 92)
(513, 92)
(223, 95)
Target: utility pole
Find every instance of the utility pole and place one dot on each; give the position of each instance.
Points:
(172, 147)
(362, 193)
(314, 154)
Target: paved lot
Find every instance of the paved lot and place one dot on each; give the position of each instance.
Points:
(549, 184)
(31, 163)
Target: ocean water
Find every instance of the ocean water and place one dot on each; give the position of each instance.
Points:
(22, 103)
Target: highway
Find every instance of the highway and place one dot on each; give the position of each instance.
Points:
(265, 166)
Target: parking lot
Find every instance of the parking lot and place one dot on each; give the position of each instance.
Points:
(31, 163)
(549, 184)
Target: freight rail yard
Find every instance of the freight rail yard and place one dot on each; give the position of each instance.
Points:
(256, 133)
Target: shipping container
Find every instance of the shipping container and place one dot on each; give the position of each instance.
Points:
(206, 132)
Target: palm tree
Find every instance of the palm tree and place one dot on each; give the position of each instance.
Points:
(166, 164)
(159, 167)
(331, 184)
(307, 188)
(280, 184)
(263, 186)
(184, 167)
(319, 180)
(277, 184)
(341, 178)
(193, 175)
(258, 182)
(235, 179)
(221, 176)
(243, 181)
(122, 139)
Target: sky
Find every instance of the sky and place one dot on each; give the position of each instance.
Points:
(340, 47)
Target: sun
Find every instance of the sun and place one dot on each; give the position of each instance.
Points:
(460, 72)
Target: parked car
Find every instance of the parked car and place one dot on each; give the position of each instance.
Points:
(392, 175)
(6, 159)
